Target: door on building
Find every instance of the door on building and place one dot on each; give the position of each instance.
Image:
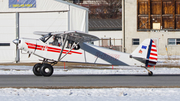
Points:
(7, 33)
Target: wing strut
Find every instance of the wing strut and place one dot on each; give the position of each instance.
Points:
(73, 46)
(64, 42)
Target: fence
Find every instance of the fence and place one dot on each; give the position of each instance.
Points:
(115, 44)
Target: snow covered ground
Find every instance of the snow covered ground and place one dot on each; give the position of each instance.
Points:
(27, 70)
(106, 94)
(113, 94)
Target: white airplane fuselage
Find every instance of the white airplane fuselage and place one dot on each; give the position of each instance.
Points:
(87, 53)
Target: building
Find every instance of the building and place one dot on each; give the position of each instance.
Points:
(156, 19)
(20, 18)
(104, 21)
(109, 31)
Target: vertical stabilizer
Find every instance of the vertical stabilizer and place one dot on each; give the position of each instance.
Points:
(146, 53)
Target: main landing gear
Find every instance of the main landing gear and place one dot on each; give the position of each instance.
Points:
(150, 73)
(43, 69)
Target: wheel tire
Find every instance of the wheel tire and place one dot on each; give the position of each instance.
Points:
(46, 70)
(36, 69)
(150, 73)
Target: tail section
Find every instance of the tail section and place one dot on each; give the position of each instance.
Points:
(146, 53)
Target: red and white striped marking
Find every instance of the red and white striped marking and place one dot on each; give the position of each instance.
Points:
(153, 55)
(49, 49)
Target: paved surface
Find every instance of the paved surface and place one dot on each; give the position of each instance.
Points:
(90, 81)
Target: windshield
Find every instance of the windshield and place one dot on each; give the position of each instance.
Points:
(45, 38)
(56, 40)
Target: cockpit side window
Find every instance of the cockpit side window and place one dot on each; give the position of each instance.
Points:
(58, 41)
(55, 41)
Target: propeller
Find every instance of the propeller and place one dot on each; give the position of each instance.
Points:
(17, 42)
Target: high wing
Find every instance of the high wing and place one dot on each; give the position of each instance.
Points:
(76, 36)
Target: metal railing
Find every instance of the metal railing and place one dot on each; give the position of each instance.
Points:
(115, 44)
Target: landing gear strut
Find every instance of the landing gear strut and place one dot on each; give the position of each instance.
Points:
(43, 69)
(150, 73)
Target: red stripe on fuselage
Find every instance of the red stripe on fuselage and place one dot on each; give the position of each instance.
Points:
(76, 52)
(49, 49)
(31, 47)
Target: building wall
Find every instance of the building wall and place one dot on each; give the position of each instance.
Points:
(160, 36)
(7, 33)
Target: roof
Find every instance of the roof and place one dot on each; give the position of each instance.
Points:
(71, 4)
(38, 6)
(105, 24)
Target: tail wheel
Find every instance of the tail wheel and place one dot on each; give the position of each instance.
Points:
(46, 70)
(150, 73)
(36, 69)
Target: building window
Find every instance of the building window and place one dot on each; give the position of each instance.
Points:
(174, 41)
(158, 15)
(4, 44)
(135, 41)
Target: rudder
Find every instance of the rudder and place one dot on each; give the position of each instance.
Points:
(152, 55)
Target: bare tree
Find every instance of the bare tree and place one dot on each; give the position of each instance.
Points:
(105, 9)
(113, 8)
(102, 9)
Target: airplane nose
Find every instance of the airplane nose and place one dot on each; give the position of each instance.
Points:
(16, 41)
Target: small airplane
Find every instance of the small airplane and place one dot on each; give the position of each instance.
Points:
(73, 46)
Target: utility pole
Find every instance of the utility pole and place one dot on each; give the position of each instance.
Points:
(123, 25)
(17, 37)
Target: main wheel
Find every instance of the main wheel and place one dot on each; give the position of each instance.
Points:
(46, 70)
(36, 69)
(150, 73)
